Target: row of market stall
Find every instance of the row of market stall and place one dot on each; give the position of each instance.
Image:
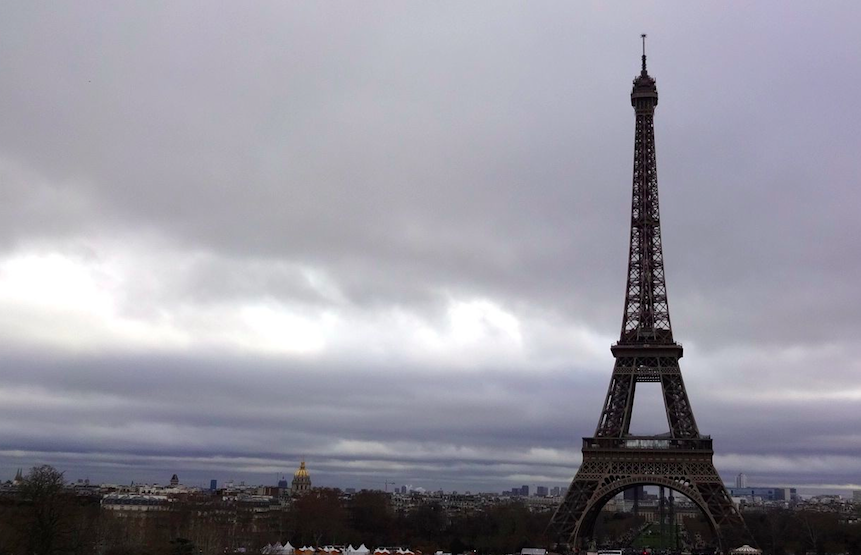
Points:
(287, 549)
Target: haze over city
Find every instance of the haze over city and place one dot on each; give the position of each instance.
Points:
(391, 239)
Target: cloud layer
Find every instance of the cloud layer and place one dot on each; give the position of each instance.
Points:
(392, 239)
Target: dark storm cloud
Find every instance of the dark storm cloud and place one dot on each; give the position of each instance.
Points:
(433, 200)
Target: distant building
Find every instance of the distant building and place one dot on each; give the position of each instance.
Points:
(541, 491)
(135, 502)
(269, 491)
(856, 496)
(174, 481)
(741, 481)
(301, 481)
(766, 494)
(636, 492)
(213, 485)
(524, 491)
(556, 491)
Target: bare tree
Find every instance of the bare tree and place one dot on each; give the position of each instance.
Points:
(811, 530)
(49, 504)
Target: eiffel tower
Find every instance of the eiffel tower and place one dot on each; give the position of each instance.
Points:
(615, 460)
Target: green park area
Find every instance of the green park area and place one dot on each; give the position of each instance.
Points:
(651, 537)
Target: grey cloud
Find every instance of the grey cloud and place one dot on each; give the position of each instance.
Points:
(413, 153)
(137, 409)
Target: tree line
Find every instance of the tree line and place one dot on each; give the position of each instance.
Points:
(45, 518)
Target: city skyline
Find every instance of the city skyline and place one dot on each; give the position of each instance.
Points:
(176, 485)
(394, 242)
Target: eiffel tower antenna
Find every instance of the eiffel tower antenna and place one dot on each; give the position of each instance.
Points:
(613, 459)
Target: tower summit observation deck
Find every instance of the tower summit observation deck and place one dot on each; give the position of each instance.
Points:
(613, 459)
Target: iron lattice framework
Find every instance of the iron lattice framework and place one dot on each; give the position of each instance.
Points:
(614, 460)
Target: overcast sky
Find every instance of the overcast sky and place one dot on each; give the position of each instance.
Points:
(391, 238)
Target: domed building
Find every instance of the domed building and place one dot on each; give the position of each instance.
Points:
(301, 481)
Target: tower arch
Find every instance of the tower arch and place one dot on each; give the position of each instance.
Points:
(586, 529)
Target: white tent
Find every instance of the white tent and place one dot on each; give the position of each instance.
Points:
(362, 550)
(278, 549)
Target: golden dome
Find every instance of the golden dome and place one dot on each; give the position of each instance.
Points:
(301, 473)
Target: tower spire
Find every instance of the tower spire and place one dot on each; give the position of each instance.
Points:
(646, 318)
(643, 36)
